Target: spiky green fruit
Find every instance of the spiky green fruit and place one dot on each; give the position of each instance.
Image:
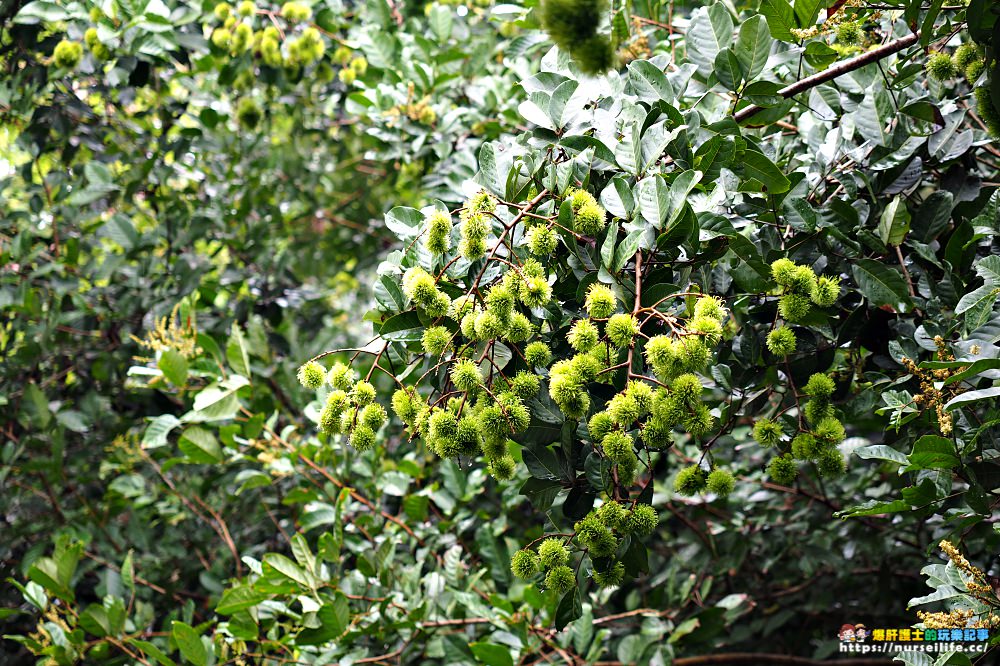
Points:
(525, 564)
(721, 482)
(553, 553)
(767, 432)
(600, 301)
(781, 341)
(311, 375)
(690, 480)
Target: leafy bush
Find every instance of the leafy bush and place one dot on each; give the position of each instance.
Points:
(666, 360)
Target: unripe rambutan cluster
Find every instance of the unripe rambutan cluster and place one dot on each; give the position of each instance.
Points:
(800, 289)
(967, 60)
(476, 225)
(350, 406)
(487, 353)
(572, 25)
(817, 443)
(293, 45)
(589, 217)
(598, 536)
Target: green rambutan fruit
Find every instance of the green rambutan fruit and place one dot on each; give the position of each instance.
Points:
(782, 469)
(767, 432)
(311, 375)
(721, 482)
(825, 291)
(940, 66)
(525, 564)
(553, 553)
(613, 577)
(560, 579)
(690, 481)
(621, 329)
(438, 238)
(793, 307)
(537, 355)
(542, 241)
(590, 219)
(600, 301)
(781, 341)
(642, 520)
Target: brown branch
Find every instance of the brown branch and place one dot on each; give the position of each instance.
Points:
(833, 72)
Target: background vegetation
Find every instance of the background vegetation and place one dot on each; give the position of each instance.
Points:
(198, 198)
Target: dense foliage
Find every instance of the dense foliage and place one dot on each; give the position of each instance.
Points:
(685, 337)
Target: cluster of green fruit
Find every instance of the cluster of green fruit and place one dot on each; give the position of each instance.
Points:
(969, 61)
(800, 290)
(350, 406)
(288, 41)
(601, 535)
(816, 440)
(572, 26)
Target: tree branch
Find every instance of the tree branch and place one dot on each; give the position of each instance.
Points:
(833, 72)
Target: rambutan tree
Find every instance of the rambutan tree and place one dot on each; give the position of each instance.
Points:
(699, 314)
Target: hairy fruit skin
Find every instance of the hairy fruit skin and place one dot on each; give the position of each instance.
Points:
(940, 66)
(600, 302)
(552, 553)
(721, 482)
(560, 579)
(524, 564)
(67, 54)
(782, 469)
(767, 432)
(690, 481)
(312, 375)
(642, 520)
(781, 341)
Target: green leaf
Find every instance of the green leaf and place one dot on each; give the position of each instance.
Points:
(881, 452)
(710, 31)
(932, 452)
(287, 568)
(881, 284)
(158, 429)
(128, 572)
(627, 249)
(753, 46)
(979, 299)
(236, 352)
(189, 643)
(334, 618)
(653, 197)
(569, 609)
(200, 445)
(977, 367)
(760, 168)
(895, 222)
(874, 508)
(728, 69)
(680, 188)
(780, 19)
(989, 269)
(174, 367)
(608, 248)
(971, 397)
(440, 21)
(649, 83)
(152, 651)
(239, 598)
(492, 654)
(806, 12)
(873, 117)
